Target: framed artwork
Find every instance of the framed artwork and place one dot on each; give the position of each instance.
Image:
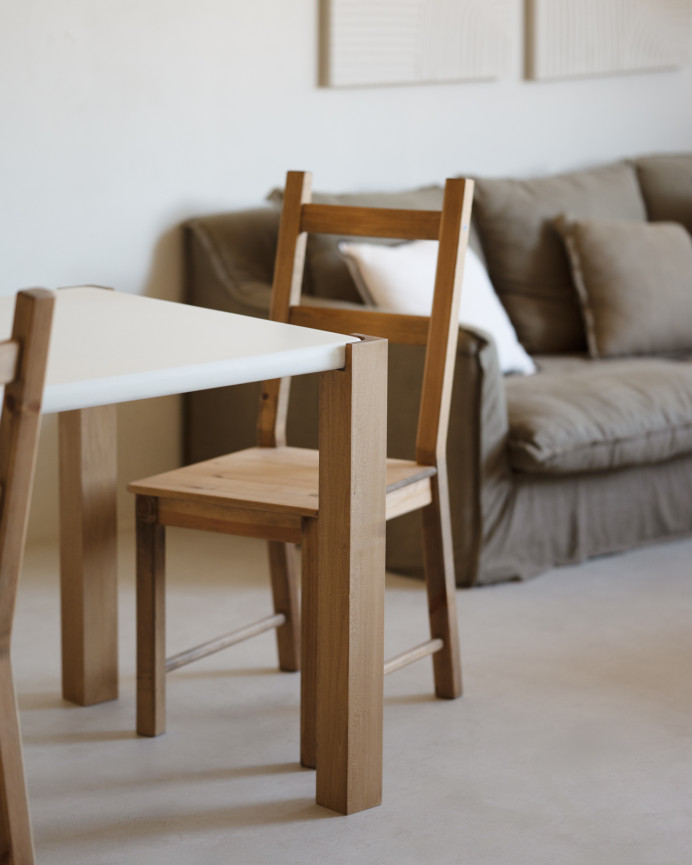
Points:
(375, 42)
(574, 38)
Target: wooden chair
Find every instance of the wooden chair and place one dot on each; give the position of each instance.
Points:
(249, 492)
(22, 370)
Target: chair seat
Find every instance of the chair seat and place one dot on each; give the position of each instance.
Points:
(281, 480)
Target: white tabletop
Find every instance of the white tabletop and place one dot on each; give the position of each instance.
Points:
(109, 347)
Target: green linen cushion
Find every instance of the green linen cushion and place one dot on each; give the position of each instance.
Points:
(526, 260)
(634, 281)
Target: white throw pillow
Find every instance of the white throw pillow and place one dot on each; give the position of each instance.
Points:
(402, 279)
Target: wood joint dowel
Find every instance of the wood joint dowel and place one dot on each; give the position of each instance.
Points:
(213, 646)
(415, 654)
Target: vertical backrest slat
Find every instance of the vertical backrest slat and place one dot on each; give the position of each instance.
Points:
(19, 426)
(431, 441)
(288, 278)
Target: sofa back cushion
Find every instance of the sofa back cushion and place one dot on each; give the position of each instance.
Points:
(666, 183)
(526, 258)
(326, 272)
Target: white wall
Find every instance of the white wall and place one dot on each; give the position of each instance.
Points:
(123, 117)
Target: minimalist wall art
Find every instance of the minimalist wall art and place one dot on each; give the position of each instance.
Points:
(366, 42)
(573, 38)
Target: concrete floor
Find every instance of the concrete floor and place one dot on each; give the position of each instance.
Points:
(571, 745)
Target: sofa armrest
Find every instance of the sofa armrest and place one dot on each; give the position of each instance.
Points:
(229, 260)
(476, 448)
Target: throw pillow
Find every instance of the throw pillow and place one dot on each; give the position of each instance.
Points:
(634, 281)
(402, 278)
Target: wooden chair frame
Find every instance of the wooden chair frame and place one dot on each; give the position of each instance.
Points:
(22, 370)
(171, 499)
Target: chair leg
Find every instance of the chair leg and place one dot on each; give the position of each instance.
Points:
(16, 846)
(308, 676)
(283, 565)
(439, 577)
(151, 620)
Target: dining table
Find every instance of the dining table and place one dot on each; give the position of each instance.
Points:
(109, 347)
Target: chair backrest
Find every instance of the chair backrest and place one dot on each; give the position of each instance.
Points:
(438, 332)
(23, 360)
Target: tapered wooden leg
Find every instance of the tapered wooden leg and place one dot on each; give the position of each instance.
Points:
(88, 555)
(151, 620)
(283, 566)
(439, 577)
(308, 676)
(350, 600)
(16, 846)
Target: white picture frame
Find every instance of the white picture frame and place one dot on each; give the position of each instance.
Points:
(577, 38)
(378, 42)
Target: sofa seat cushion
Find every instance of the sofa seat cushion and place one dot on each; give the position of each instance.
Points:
(581, 415)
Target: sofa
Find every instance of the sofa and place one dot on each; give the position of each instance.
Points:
(589, 455)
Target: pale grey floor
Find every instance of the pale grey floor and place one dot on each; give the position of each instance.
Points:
(572, 744)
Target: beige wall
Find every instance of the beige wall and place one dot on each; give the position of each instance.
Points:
(122, 117)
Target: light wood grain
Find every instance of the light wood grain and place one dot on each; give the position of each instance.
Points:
(283, 480)
(19, 428)
(308, 675)
(438, 555)
(284, 569)
(412, 655)
(211, 647)
(9, 352)
(438, 373)
(250, 522)
(89, 554)
(257, 481)
(288, 279)
(405, 499)
(370, 222)
(350, 599)
(405, 329)
(16, 843)
(151, 620)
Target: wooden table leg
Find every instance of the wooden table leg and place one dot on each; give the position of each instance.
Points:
(88, 554)
(351, 566)
(16, 845)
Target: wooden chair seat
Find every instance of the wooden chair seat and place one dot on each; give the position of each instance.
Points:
(281, 480)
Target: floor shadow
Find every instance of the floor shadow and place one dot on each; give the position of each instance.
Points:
(227, 674)
(409, 699)
(77, 737)
(277, 812)
(41, 702)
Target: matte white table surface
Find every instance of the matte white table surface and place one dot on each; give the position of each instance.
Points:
(109, 347)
